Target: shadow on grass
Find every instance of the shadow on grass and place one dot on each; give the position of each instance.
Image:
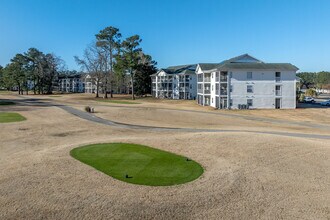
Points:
(6, 102)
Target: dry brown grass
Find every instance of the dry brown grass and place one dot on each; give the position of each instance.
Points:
(247, 175)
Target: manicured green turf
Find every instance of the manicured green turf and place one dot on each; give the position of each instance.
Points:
(6, 117)
(117, 101)
(5, 102)
(143, 165)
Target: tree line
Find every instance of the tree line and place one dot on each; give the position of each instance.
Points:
(32, 69)
(112, 62)
(314, 80)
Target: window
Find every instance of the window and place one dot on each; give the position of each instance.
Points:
(230, 102)
(212, 86)
(278, 76)
(212, 75)
(249, 89)
(249, 102)
(249, 75)
(277, 90)
(212, 100)
(231, 88)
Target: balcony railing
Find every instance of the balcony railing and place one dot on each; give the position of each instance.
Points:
(207, 91)
(223, 78)
(223, 92)
(199, 79)
(278, 79)
(207, 79)
(278, 92)
(200, 90)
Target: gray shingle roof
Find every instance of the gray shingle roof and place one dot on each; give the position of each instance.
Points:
(261, 66)
(208, 66)
(182, 69)
(234, 63)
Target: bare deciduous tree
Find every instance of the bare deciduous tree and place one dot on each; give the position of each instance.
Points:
(94, 63)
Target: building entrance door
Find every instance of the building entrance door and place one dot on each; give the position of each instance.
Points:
(277, 103)
(223, 103)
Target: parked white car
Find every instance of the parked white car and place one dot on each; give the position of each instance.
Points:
(326, 103)
(309, 99)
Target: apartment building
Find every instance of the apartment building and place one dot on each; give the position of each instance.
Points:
(71, 83)
(175, 82)
(246, 82)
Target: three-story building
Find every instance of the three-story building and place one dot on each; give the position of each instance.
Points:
(246, 82)
(176, 82)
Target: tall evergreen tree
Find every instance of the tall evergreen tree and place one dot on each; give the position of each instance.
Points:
(129, 58)
(108, 40)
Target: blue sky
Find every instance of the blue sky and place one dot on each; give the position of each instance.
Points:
(174, 32)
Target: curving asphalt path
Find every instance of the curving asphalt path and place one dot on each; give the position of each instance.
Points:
(93, 118)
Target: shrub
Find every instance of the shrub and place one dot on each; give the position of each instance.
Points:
(301, 97)
(311, 93)
(88, 109)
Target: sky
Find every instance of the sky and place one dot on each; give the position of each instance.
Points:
(174, 32)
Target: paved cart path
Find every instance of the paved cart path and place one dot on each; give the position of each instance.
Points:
(93, 118)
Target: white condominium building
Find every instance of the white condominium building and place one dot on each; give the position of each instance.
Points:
(176, 82)
(246, 82)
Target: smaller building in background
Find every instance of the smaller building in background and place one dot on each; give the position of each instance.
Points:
(175, 82)
(71, 83)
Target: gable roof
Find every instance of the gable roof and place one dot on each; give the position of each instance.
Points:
(182, 69)
(244, 58)
(246, 61)
(259, 66)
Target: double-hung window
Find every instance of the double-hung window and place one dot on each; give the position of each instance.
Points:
(249, 102)
(249, 89)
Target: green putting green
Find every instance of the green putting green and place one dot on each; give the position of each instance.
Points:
(6, 117)
(5, 102)
(138, 164)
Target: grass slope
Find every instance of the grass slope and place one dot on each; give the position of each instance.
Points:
(117, 101)
(143, 165)
(6, 117)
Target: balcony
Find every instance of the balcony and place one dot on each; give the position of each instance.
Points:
(200, 91)
(278, 92)
(223, 92)
(278, 79)
(223, 78)
(207, 79)
(207, 91)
